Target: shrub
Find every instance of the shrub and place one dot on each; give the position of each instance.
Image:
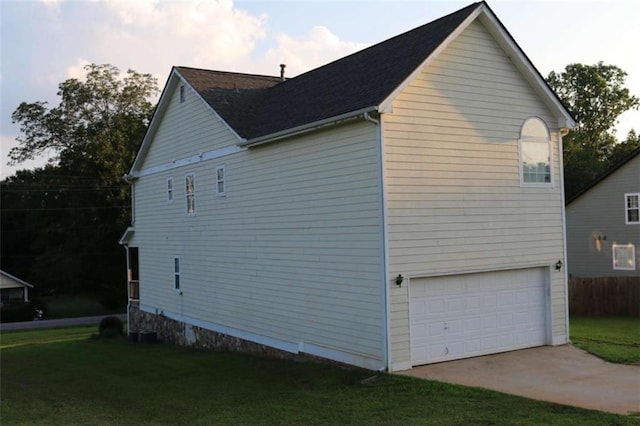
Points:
(111, 327)
(16, 312)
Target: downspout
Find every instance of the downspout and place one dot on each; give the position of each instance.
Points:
(127, 179)
(383, 242)
(563, 132)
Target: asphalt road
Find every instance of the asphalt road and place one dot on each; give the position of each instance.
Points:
(63, 322)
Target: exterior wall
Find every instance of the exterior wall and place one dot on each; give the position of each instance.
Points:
(452, 182)
(596, 221)
(189, 126)
(12, 289)
(289, 258)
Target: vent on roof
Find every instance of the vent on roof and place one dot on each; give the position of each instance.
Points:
(282, 67)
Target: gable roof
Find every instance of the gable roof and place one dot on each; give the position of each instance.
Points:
(258, 108)
(16, 279)
(611, 170)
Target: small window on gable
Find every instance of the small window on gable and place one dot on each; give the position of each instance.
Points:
(535, 153)
(632, 208)
(170, 189)
(176, 273)
(182, 93)
(190, 194)
(624, 257)
(220, 181)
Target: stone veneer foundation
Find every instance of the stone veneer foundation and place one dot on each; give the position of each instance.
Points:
(175, 332)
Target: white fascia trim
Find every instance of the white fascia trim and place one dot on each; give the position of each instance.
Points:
(187, 161)
(294, 348)
(505, 40)
(387, 104)
(305, 128)
(24, 283)
(126, 237)
(153, 125)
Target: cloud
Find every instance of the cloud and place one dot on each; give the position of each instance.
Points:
(318, 47)
(77, 71)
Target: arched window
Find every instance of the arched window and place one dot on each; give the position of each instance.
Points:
(535, 153)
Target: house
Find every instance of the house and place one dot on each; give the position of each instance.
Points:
(603, 223)
(400, 206)
(13, 289)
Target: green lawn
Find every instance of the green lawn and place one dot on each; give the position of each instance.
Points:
(615, 339)
(60, 377)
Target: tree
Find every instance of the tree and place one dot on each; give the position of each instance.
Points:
(77, 205)
(596, 96)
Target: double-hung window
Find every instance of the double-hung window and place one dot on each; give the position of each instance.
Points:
(535, 153)
(170, 190)
(220, 181)
(632, 208)
(176, 273)
(624, 257)
(190, 194)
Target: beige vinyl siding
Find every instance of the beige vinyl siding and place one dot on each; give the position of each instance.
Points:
(600, 212)
(454, 200)
(292, 252)
(187, 129)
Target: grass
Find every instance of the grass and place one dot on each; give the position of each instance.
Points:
(614, 339)
(58, 377)
(73, 306)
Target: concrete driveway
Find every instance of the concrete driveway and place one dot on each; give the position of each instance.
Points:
(562, 374)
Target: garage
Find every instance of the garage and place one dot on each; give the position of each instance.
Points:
(461, 316)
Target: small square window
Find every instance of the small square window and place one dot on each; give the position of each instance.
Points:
(182, 93)
(632, 208)
(220, 181)
(624, 257)
(170, 189)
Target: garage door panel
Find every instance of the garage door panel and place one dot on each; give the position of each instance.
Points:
(476, 314)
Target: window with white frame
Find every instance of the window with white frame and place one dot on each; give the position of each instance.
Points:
(535, 153)
(170, 189)
(624, 257)
(190, 193)
(632, 208)
(220, 181)
(176, 273)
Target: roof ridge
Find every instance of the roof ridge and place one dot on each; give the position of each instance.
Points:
(241, 74)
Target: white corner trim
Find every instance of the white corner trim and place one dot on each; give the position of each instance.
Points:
(188, 161)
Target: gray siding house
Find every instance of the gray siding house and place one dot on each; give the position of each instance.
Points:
(402, 205)
(603, 224)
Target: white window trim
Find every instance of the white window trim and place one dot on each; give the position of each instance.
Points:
(633, 257)
(171, 190)
(549, 143)
(186, 195)
(222, 193)
(176, 274)
(626, 208)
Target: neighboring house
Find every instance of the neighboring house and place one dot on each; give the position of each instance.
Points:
(400, 206)
(13, 289)
(603, 224)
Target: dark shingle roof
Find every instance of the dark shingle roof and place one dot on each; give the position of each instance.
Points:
(256, 106)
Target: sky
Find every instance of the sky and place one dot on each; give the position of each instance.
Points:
(44, 42)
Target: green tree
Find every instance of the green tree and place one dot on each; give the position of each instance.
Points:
(596, 96)
(69, 214)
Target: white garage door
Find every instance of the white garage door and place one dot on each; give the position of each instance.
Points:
(476, 314)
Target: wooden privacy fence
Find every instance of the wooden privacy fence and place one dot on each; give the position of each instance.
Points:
(613, 296)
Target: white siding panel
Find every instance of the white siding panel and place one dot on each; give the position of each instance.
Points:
(454, 201)
(290, 253)
(187, 129)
